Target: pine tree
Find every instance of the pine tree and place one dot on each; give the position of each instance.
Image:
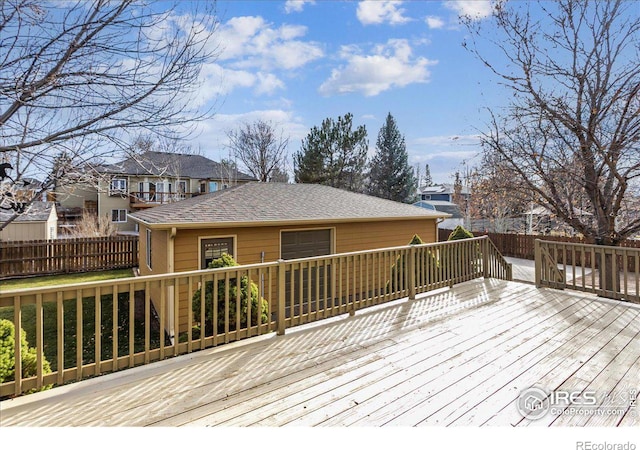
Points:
(391, 177)
(333, 155)
(428, 181)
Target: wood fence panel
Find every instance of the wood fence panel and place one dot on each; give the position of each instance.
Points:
(28, 258)
(523, 245)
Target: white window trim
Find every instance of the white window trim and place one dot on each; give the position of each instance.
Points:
(119, 211)
(118, 190)
(225, 236)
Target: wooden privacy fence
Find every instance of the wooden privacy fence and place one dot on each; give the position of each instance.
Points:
(27, 258)
(91, 328)
(523, 245)
(612, 272)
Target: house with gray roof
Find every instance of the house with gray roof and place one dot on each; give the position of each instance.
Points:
(145, 181)
(265, 222)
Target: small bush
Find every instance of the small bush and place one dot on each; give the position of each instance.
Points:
(424, 260)
(7, 355)
(459, 233)
(248, 290)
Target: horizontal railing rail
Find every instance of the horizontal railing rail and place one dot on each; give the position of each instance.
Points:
(523, 245)
(612, 272)
(88, 329)
(158, 197)
(60, 256)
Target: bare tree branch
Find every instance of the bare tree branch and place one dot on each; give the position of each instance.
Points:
(571, 134)
(262, 150)
(83, 79)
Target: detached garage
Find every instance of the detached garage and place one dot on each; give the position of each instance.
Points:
(262, 222)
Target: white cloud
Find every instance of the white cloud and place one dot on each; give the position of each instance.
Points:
(391, 65)
(374, 12)
(448, 141)
(251, 42)
(475, 9)
(296, 5)
(216, 80)
(268, 83)
(434, 22)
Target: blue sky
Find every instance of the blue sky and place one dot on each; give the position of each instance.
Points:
(296, 63)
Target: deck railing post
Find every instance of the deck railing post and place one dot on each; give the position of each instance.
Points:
(412, 273)
(281, 297)
(538, 262)
(486, 273)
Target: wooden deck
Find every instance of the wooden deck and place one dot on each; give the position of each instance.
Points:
(459, 356)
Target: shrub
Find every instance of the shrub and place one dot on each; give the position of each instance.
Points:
(424, 260)
(248, 290)
(459, 233)
(466, 267)
(7, 355)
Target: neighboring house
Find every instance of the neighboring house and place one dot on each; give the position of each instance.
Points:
(262, 222)
(38, 222)
(456, 218)
(442, 192)
(144, 181)
(541, 220)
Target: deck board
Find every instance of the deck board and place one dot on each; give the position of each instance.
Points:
(460, 356)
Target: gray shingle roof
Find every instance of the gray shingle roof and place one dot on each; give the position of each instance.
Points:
(37, 212)
(174, 165)
(279, 202)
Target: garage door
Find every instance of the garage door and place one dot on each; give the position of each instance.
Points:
(305, 244)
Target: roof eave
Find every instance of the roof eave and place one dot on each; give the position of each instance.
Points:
(259, 223)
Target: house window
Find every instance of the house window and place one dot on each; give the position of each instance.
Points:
(149, 248)
(426, 196)
(211, 249)
(119, 215)
(203, 188)
(118, 186)
(213, 186)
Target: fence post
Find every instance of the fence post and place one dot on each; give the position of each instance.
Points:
(412, 273)
(281, 317)
(538, 262)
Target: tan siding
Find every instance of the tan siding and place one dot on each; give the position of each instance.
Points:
(159, 252)
(352, 237)
(24, 231)
(250, 242)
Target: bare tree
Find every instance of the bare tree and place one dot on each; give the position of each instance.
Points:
(81, 78)
(571, 133)
(260, 147)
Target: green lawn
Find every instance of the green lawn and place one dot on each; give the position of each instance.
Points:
(53, 280)
(50, 326)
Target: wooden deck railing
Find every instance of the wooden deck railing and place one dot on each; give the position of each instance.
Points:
(88, 329)
(157, 198)
(612, 272)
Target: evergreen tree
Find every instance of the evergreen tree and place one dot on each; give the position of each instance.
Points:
(428, 181)
(391, 177)
(334, 155)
